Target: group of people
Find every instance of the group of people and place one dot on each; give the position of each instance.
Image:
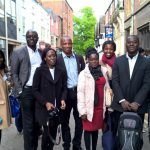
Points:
(44, 81)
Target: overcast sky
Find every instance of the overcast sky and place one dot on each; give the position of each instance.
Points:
(99, 6)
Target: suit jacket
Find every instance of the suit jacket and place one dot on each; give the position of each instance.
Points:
(79, 59)
(135, 89)
(20, 67)
(45, 89)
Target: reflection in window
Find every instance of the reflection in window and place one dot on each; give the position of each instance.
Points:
(2, 46)
(11, 18)
(2, 19)
(1, 4)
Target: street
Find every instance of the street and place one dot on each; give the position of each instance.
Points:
(11, 140)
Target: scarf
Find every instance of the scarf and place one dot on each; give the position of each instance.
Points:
(109, 61)
(96, 73)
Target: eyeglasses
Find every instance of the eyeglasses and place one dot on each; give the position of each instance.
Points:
(31, 36)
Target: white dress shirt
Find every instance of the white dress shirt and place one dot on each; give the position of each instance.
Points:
(131, 62)
(52, 72)
(35, 61)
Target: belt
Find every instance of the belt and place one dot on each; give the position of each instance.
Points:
(27, 87)
(73, 88)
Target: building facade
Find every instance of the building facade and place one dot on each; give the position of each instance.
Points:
(8, 27)
(63, 9)
(114, 17)
(18, 16)
(31, 15)
(55, 29)
(137, 20)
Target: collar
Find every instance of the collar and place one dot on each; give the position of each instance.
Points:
(65, 56)
(31, 50)
(134, 57)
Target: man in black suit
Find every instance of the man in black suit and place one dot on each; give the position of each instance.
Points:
(72, 64)
(130, 81)
(24, 62)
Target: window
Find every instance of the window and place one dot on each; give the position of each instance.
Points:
(42, 33)
(52, 40)
(2, 46)
(33, 24)
(11, 18)
(23, 26)
(1, 4)
(2, 20)
(144, 36)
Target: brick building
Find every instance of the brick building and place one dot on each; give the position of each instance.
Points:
(114, 16)
(137, 20)
(63, 9)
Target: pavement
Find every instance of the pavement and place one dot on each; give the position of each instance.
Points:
(12, 140)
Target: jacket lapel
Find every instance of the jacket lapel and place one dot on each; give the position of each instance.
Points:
(61, 61)
(78, 63)
(57, 74)
(47, 74)
(27, 59)
(126, 66)
(137, 64)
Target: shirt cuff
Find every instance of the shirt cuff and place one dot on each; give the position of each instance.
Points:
(122, 100)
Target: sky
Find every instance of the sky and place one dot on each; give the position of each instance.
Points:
(99, 6)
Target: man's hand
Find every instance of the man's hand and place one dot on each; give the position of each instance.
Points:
(63, 104)
(134, 106)
(84, 117)
(49, 106)
(126, 105)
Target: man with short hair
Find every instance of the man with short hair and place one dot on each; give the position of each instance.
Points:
(24, 62)
(72, 64)
(130, 81)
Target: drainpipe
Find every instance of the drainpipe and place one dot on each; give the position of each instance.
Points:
(132, 18)
(6, 34)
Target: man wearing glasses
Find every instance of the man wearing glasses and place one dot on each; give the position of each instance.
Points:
(24, 62)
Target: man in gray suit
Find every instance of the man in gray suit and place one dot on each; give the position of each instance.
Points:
(24, 62)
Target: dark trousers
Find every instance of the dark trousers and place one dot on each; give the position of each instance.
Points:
(90, 137)
(71, 103)
(47, 144)
(30, 127)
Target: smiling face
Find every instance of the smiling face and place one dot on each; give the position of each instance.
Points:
(109, 50)
(132, 44)
(66, 44)
(31, 38)
(50, 58)
(93, 60)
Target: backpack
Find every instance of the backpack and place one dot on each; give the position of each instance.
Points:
(129, 134)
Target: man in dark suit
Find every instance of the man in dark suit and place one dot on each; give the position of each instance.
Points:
(24, 62)
(130, 81)
(72, 64)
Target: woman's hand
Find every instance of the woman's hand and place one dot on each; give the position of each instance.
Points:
(63, 104)
(84, 117)
(49, 106)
